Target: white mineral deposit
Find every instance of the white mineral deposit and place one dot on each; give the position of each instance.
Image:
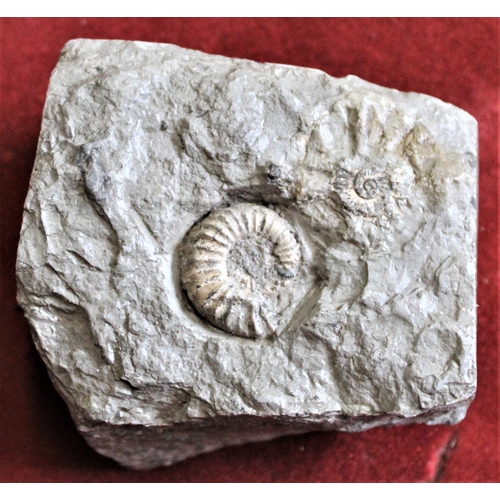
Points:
(216, 251)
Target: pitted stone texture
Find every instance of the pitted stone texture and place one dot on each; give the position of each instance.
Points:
(139, 143)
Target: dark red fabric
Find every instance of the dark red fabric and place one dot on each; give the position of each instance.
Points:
(453, 59)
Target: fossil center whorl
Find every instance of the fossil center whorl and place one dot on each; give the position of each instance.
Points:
(364, 189)
(233, 265)
(367, 184)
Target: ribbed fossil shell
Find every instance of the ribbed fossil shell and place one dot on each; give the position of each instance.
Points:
(233, 264)
(363, 191)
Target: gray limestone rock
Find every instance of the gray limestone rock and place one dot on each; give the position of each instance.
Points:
(216, 251)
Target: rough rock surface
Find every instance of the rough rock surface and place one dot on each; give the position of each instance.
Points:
(352, 306)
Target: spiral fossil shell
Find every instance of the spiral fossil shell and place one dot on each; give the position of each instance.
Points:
(364, 191)
(233, 264)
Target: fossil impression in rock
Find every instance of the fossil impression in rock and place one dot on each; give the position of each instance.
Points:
(234, 261)
(216, 251)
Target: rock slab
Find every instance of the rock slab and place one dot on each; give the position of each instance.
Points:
(216, 251)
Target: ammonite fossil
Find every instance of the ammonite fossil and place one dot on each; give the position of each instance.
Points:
(364, 189)
(233, 265)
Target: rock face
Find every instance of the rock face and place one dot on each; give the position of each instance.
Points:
(216, 251)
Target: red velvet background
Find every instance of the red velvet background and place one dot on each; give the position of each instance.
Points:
(455, 60)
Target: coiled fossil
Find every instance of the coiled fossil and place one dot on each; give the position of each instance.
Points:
(364, 190)
(233, 264)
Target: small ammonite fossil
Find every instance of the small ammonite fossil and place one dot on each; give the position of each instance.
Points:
(364, 190)
(233, 264)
